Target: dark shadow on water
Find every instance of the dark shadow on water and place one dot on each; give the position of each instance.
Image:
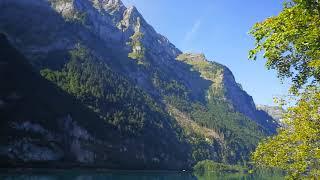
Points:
(94, 175)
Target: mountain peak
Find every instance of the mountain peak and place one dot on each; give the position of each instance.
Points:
(109, 5)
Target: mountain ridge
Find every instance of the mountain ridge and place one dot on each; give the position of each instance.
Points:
(113, 62)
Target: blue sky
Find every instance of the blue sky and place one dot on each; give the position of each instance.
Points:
(219, 29)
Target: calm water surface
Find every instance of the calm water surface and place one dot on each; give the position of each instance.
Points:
(123, 175)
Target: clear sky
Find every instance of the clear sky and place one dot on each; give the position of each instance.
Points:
(219, 29)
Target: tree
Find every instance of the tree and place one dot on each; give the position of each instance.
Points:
(291, 44)
(296, 148)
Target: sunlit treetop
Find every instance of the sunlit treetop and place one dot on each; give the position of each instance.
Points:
(291, 42)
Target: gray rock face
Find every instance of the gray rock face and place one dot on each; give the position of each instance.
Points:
(76, 136)
(112, 21)
(243, 102)
(29, 149)
(240, 99)
(41, 33)
(109, 19)
(26, 150)
(274, 111)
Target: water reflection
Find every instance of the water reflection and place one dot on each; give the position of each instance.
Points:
(241, 176)
(106, 175)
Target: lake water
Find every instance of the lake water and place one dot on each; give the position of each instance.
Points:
(123, 175)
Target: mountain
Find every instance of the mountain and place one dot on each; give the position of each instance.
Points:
(105, 89)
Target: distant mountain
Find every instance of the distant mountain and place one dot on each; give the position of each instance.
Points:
(112, 92)
(275, 112)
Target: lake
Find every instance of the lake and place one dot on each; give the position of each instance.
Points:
(123, 175)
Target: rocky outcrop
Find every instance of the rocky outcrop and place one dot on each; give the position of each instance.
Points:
(240, 99)
(76, 142)
(29, 149)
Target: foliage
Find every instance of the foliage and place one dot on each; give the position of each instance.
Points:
(212, 170)
(211, 166)
(261, 175)
(239, 134)
(106, 93)
(291, 42)
(202, 149)
(296, 148)
(36, 99)
(138, 51)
